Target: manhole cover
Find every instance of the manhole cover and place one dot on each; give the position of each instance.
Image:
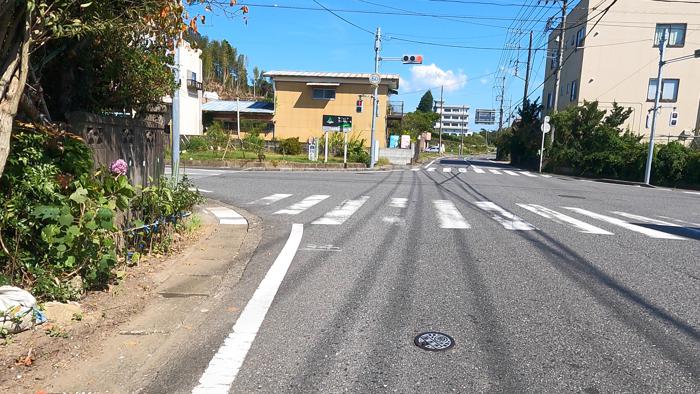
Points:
(434, 341)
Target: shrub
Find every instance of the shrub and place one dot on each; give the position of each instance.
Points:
(670, 163)
(289, 146)
(383, 161)
(254, 143)
(216, 136)
(195, 144)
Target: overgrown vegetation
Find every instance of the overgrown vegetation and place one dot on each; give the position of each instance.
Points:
(356, 147)
(63, 220)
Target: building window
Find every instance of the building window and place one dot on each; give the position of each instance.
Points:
(550, 100)
(580, 38)
(573, 91)
(324, 94)
(675, 34)
(669, 90)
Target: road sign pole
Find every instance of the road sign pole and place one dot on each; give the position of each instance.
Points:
(345, 149)
(325, 148)
(542, 151)
(657, 99)
(377, 48)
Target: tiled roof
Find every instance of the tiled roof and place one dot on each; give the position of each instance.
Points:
(259, 107)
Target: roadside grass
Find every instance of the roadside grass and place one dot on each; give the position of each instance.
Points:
(242, 155)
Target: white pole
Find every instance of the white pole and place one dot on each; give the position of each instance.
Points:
(560, 60)
(542, 151)
(238, 117)
(377, 48)
(345, 150)
(325, 148)
(175, 135)
(657, 99)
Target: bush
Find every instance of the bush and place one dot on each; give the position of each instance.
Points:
(216, 136)
(670, 163)
(195, 144)
(383, 161)
(289, 146)
(252, 142)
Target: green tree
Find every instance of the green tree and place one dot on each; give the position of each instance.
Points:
(426, 102)
(526, 134)
(416, 123)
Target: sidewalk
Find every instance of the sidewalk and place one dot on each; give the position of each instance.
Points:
(112, 354)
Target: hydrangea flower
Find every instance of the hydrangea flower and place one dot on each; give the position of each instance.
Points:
(119, 167)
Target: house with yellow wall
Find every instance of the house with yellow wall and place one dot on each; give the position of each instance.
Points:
(302, 98)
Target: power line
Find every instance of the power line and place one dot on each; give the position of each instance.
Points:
(343, 19)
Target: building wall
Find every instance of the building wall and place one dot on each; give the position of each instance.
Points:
(190, 116)
(448, 116)
(619, 60)
(298, 114)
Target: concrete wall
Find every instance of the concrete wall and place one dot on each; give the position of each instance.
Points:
(397, 156)
(298, 114)
(190, 116)
(619, 59)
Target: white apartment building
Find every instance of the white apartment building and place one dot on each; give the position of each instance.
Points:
(454, 118)
(188, 97)
(614, 57)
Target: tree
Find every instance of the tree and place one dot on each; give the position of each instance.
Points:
(426, 102)
(525, 140)
(416, 123)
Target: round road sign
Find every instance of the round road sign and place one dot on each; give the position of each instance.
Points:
(546, 128)
(375, 79)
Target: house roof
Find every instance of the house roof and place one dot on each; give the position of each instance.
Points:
(388, 79)
(258, 107)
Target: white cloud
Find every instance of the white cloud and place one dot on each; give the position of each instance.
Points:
(430, 76)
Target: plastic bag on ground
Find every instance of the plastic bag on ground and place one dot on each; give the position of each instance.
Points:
(18, 310)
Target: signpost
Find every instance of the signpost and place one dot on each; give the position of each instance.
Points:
(375, 79)
(335, 124)
(485, 116)
(546, 128)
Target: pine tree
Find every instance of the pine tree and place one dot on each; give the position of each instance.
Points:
(426, 102)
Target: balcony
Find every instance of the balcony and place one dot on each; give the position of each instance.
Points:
(395, 110)
(194, 85)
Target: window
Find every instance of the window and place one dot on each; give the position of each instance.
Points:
(573, 91)
(669, 90)
(580, 38)
(324, 94)
(675, 34)
(550, 100)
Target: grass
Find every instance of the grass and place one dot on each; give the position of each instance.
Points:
(241, 155)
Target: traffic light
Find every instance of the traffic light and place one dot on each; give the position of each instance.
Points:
(412, 59)
(359, 106)
(674, 118)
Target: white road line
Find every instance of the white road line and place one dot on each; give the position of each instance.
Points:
(495, 172)
(342, 212)
(447, 169)
(655, 221)
(271, 199)
(528, 173)
(449, 215)
(228, 216)
(415, 169)
(431, 169)
(302, 205)
(564, 219)
(680, 221)
(510, 173)
(505, 218)
(462, 170)
(696, 193)
(478, 170)
(194, 189)
(223, 368)
(626, 225)
(430, 164)
(545, 176)
(398, 202)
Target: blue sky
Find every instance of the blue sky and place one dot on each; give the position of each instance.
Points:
(313, 39)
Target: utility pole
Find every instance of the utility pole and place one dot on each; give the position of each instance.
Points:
(502, 97)
(442, 111)
(527, 70)
(657, 99)
(560, 57)
(461, 135)
(377, 48)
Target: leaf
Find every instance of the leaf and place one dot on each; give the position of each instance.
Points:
(45, 212)
(65, 219)
(79, 196)
(70, 261)
(86, 5)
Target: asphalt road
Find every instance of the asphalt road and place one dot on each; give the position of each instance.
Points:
(546, 284)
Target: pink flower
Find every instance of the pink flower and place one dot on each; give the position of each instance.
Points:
(119, 167)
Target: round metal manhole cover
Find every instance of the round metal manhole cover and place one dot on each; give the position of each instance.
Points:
(434, 341)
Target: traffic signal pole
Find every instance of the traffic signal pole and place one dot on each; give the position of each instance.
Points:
(377, 48)
(560, 58)
(657, 99)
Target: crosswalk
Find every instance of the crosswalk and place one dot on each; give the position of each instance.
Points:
(477, 170)
(462, 215)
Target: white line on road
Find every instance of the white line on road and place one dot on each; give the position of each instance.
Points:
(680, 221)
(431, 169)
(447, 169)
(223, 368)
(528, 173)
(656, 221)
(696, 193)
(302, 205)
(228, 216)
(462, 170)
(430, 164)
(449, 215)
(398, 202)
(505, 218)
(415, 169)
(194, 189)
(495, 172)
(478, 170)
(271, 199)
(629, 226)
(510, 173)
(564, 219)
(342, 212)
(545, 176)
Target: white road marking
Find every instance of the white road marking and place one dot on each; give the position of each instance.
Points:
(505, 218)
(495, 172)
(564, 219)
(342, 212)
(447, 169)
(321, 248)
(302, 205)
(449, 215)
(696, 193)
(528, 173)
(680, 221)
(393, 220)
(655, 221)
(223, 368)
(194, 189)
(271, 199)
(478, 170)
(415, 169)
(510, 173)
(626, 225)
(430, 164)
(228, 216)
(462, 170)
(431, 169)
(398, 202)
(545, 176)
